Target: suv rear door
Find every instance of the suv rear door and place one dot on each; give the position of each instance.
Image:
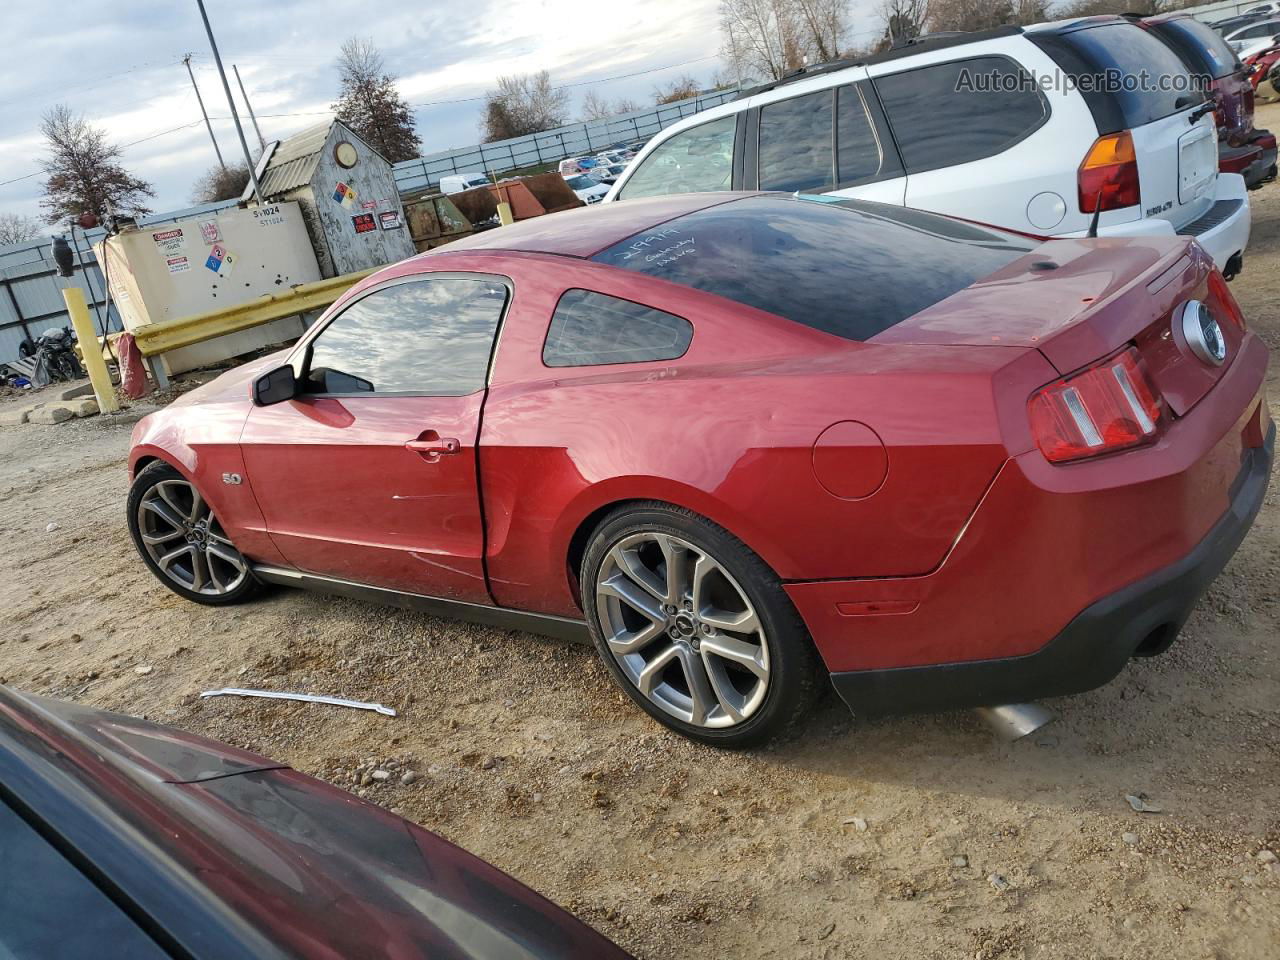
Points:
(1174, 135)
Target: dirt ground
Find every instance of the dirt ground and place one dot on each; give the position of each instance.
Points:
(900, 839)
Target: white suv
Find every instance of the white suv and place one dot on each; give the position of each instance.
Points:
(980, 126)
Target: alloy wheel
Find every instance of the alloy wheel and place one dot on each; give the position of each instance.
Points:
(185, 541)
(682, 630)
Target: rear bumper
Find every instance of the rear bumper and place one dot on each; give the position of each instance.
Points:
(1223, 230)
(1263, 168)
(1047, 542)
(1141, 619)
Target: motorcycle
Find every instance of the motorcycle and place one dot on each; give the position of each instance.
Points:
(55, 356)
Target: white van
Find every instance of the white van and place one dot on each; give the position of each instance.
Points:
(457, 182)
(1009, 127)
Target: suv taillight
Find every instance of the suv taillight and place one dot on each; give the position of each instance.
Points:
(1108, 407)
(1109, 174)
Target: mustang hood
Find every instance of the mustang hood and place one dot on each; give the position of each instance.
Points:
(235, 383)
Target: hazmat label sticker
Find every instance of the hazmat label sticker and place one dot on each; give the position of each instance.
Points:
(221, 261)
(170, 242)
(177, 264)
(209, 232)
(390, 219)
(345, 195)
(364, 222)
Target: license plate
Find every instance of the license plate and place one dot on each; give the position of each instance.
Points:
(1197, 162)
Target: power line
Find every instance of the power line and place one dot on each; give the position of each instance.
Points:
(430, 103)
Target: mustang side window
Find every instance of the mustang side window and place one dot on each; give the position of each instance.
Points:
(592, 328)
(425, 337)
(699, 159)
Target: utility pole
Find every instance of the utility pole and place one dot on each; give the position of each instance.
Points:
(203, 112)
(262, 144)
(244, 145)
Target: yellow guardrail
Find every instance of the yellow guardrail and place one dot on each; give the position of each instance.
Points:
(157, 338)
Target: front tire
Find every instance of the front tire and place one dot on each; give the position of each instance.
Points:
(696, 628)
(181, 541)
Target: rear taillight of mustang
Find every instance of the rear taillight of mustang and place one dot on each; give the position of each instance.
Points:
(1107, 407)
(1108, 176)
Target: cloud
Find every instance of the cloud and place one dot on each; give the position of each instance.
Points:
(121, 66)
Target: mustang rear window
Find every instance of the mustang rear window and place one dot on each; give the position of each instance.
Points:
(849, 268)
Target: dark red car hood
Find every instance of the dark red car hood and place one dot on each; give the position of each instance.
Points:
(231, 855)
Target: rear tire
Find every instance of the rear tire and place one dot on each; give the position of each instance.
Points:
(696, 628)
(181, 541)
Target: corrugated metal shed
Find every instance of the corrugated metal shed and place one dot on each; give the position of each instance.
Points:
(294, 161)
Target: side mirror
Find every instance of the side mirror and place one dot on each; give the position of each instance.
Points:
(275, 386)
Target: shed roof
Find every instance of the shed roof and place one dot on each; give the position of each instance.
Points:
(294, 160)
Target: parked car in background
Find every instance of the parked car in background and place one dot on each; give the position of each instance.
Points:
(1263, 66)
(458, 182)
(750, 442)
(570, 165)
(586, 188)
(1242, 148)
(124, 838)
(1243, 36)
(1264, 9)
(607, 174)
(1257, 46)
(956, 124)
(1230, 24)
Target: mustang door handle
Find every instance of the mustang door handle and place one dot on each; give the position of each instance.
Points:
(431, 446)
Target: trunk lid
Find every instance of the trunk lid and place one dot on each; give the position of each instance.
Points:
(1080, 300)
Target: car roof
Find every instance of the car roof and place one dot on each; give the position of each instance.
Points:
(586, 231)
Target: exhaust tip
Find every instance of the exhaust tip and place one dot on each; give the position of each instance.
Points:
(1013, 721)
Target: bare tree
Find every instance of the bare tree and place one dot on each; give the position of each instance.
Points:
(1093, 8)
(682, 88)
(596, 107)
(18, 228)
(370, 104)
(984, 14)
(823, 24)
(759, 36)
(221, 183)
(84, 171)
(903, 20)
(523, 104)
(776, 37)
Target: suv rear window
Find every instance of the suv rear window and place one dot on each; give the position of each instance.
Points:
(959, 111)
(849, 268)
(1200, 46)
(1126, 51)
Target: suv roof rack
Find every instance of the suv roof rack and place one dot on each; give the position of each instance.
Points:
(907, 48)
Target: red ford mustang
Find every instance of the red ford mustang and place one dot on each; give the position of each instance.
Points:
(745, 440)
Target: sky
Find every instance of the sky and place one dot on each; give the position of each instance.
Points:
(120, 64)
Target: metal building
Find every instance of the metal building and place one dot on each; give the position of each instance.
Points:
(347, 192)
